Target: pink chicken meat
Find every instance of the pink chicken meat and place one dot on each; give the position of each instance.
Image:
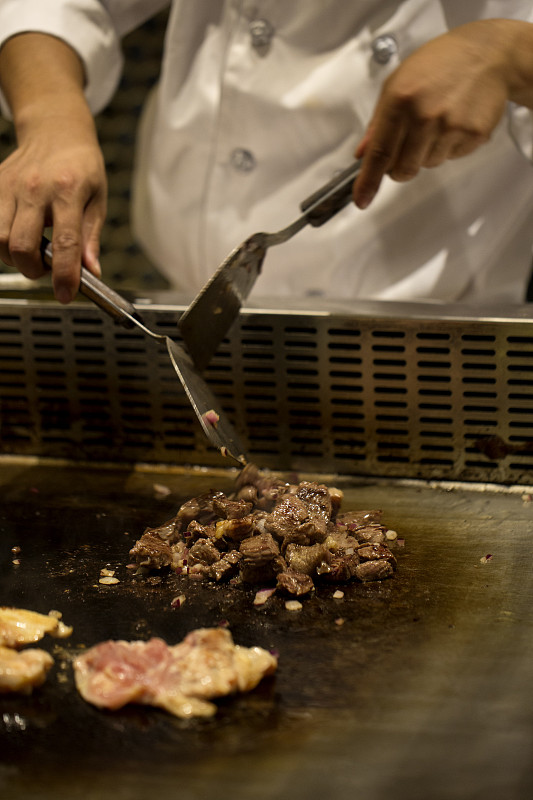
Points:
(181, 679)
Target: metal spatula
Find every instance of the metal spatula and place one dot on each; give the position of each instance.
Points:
(207, 320)
(214, 422)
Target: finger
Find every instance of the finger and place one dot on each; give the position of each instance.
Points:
(411, 157)
(361, 147)
(380, 153)
(24, 243)
(7, 212)
(441, 149)
(93, 220)
(66, 253)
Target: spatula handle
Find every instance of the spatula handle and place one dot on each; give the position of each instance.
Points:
(332, 197)
(106, 298)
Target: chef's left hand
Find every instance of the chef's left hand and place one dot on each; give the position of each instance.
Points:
(445, 100)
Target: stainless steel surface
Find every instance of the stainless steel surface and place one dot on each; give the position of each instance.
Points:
(213, 421)
(425, 690)
(371, 388)
(206, 321)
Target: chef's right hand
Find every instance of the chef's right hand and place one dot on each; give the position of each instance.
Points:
(56, 175)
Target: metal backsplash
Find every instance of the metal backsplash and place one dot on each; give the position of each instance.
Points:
(382, 391)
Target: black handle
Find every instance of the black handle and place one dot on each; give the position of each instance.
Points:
(332, 197)
(106, 298)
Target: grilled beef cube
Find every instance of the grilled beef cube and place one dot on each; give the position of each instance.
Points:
(261, 573)
(268, 488)
(169, 531)
(235, 529)
(231, 509)
(374, 570)
(358, 519)
(340, 541)
(306, 560)
(226, 567)
(341, 567)
(376, 552)
(287, 518)
(202, 552)
(259, 550)
(197, 531)
(248, 494)
(198, 508)
(294, 583)
(261, 560)
(373, 534)
(317, 498)
(151, 551)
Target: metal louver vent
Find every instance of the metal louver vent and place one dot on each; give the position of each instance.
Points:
(354, 393)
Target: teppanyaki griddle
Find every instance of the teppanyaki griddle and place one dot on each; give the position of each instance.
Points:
(425, 690)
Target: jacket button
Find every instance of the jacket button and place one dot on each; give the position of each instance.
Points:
(384, 48)
(261, 33)
(242, 160)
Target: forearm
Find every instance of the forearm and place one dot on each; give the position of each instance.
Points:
(41, 77)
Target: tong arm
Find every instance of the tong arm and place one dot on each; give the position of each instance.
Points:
(106, 298)
(323, 204)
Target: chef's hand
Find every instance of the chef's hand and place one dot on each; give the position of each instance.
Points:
(56, 176)
(445, 100)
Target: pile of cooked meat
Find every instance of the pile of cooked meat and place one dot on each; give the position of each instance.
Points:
(270, 532)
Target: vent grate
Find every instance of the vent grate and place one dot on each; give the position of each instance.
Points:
(434, 398)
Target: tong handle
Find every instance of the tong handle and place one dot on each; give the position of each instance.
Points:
(96, 290)
(332, 197)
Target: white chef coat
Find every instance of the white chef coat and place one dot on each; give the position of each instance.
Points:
(259, 103)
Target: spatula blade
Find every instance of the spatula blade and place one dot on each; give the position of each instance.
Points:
(209, 317)
(213, 420)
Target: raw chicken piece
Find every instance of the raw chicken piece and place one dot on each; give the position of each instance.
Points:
(180, 679)
(19, 626)
(20, 672)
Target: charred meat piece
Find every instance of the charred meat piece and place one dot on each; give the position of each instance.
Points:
(340, 541)
(202, 552)
(259, 550)
(231, 509)
(291, 523)
(151, 551)
(226, 567)
(306, 559)
(261, 560)
(317, 498)
(374, 570)
(341, 568)
(235, 529)
(376, 552)
(197, 531)
(268, 489)
(358, 519)
(198, 508)
(169, 531)
(373, 534)
(294, 583)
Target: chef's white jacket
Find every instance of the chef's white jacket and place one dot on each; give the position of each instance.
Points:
(262, 101)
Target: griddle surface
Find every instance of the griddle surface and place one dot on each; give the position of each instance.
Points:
(424, 691)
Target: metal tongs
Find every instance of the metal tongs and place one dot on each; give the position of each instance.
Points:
(207, 320)
(214, 422)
